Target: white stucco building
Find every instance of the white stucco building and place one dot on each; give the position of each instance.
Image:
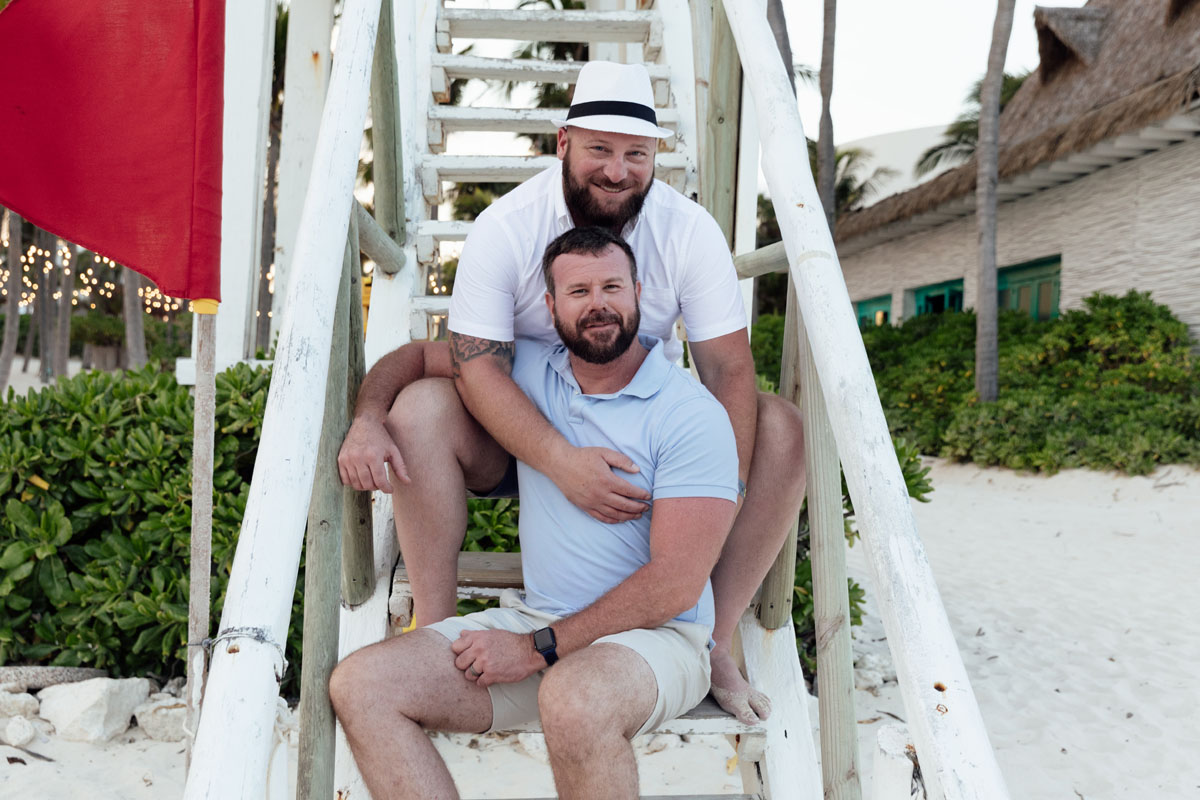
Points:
(1099, 180)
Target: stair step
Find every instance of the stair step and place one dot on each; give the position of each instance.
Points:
(689, 797)
(517, 120)
(444, 120)
(508, 169)
(644, 27)
(442, 230)
(448, 67)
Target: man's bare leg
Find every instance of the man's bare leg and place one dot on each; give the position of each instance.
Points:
(592, 703)
(385, 696)
(774, 493)
(446, 452)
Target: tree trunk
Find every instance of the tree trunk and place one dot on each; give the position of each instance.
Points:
(826, 155)
(135, 331)
(12, 304)
(778, 25)
(62, 328)
(47, 278)
(986, 151)
(262, 333)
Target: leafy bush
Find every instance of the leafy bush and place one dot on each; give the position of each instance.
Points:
(98, 329)
(766, 345)
(95, 526)
(1112, 386)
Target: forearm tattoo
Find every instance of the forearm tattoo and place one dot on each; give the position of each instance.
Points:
(464, 348)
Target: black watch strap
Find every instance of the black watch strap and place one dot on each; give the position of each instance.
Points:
(545, 642)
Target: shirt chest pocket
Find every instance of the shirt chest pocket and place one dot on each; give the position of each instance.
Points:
(660, 309)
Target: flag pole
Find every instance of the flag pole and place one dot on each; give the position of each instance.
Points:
(203, 424)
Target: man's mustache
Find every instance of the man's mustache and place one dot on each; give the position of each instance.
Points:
(600, 318)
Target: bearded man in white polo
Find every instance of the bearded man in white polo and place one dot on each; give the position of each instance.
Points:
(441, 439)
(611, 638)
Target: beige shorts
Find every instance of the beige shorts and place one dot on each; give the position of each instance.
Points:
(677, 653)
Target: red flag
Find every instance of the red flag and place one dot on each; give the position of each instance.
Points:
(110, 130)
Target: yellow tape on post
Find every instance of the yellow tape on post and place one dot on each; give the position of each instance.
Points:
(205, 306)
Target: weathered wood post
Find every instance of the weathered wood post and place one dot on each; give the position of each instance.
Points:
(200, 566)
(827, 549)
(323, 562)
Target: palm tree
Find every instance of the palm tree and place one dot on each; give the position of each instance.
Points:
(961, 135)
(826, 158)
(986, 344)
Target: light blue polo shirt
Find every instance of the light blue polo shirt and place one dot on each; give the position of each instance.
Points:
(673, 429)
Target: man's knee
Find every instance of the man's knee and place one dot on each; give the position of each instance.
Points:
(424, 409)
(346, 686)
(780, 426)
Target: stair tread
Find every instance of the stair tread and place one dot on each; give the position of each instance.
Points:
(550, 26)
(445, 230)
(517, 120)
(523, 69)
(514, 168)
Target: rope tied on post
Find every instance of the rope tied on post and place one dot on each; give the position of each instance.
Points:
(254, 634)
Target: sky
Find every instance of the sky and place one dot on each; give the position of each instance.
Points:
(901, 64)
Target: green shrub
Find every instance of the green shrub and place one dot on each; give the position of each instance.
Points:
(1114, 385)
(95, 524)
(766, 345)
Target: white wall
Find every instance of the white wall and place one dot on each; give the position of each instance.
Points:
(1135, 225)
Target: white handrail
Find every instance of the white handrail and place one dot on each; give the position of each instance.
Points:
(944, 717)
(233, 743)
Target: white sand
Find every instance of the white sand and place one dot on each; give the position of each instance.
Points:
(1072, 597)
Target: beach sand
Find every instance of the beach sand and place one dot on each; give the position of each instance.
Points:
(1072, 598)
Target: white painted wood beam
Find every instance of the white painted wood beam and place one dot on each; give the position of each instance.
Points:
(517, 120)
(551, 26)
(523, 69)
(306, 76)
(236, 731)
(514, 169)
(942, 711)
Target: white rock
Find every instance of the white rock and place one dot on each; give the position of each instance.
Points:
(162, 718)
(95, 710)
(13, 687)
(18, 705)
(19, 732)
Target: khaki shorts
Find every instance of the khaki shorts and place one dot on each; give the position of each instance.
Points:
(677, 653)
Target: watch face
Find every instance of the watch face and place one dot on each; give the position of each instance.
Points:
(543, 639)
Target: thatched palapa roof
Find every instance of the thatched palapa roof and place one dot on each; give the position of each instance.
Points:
(1109, 68)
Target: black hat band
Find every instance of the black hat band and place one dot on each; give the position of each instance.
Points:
(618, 108)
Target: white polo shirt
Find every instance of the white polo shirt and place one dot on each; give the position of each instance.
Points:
(682, 259)
(673, 429)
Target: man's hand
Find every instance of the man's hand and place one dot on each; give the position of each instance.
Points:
(488, 657)
(585, 476)
(365, 454)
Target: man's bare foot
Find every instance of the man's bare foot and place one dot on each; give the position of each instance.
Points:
(733, 693)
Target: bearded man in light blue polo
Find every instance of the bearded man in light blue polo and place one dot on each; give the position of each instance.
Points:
(612, 635)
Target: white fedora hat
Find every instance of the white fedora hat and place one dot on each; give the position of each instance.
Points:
(616, 98)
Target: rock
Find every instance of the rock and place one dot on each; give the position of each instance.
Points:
(94, 710)
(13, 687)
(162, 718)
(41, 677)
(175, 686)
(18, 705)
(19, 732)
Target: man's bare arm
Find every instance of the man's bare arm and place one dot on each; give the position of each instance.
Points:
(686, 537)
(368, 446)
(726, 369)
(483, 375)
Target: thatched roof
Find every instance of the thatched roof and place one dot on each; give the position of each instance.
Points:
(1116, 66)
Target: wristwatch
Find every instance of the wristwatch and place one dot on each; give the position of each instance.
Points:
(545, 643)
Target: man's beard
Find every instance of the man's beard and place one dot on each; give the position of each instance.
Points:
(599, 352)
(586, 211)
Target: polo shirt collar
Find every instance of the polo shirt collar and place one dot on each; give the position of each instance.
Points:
(563, 215)
(646, 382)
